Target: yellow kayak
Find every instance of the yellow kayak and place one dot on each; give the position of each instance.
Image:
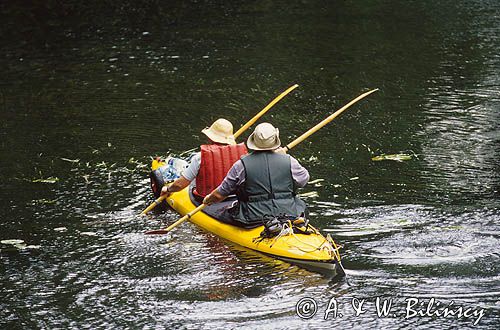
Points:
(312, 251)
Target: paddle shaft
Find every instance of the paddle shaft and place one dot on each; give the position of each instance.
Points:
(263, 111)
(178, 222)
(327, 120)
(186, 217)
(153, 205)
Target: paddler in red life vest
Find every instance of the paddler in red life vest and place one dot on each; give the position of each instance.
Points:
(208, 167)
(265, 182)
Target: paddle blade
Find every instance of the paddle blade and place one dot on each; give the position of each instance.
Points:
(156, 232)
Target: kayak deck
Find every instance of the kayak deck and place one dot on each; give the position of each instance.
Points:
(312, 250)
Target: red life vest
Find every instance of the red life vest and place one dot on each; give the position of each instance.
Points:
(216, 160)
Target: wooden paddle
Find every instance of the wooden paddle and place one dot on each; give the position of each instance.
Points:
(238, 133)
(263, 111)
(153, 205)
(327, 120)
(288, 147)
(178, 222)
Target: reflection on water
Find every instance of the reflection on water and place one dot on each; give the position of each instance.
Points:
(83, 107)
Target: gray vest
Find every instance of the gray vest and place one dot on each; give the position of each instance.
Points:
(269, 189)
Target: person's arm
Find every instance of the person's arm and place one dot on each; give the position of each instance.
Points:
(214, 197)
(192, 170)
(299, 173)
(187, 176)
(175, 186)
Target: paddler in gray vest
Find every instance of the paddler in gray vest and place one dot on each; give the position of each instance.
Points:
(265, 181)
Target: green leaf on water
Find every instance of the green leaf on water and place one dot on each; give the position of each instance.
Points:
(12, 241)
(310, 194)
(88, 233)
(42, 201)
(47, 180)
(71, 160)
(15, 243)
(395, 157)
(316, 181)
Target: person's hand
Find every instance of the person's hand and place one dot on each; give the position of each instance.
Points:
(165, 191)
(280, 150)
(208, 200)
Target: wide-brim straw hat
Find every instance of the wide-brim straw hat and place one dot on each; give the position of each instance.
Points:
(221, 131)
(264, 137)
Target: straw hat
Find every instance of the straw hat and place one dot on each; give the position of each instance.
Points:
(264, 137)
(221, 131)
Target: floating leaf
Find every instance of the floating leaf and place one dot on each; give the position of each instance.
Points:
(328, 204)
(316, 181)
(88, 233)
(395, 157)
(309, 194)
(42, 201)
(48, 180)
(16, 243)
(12, 241)
(71, 160)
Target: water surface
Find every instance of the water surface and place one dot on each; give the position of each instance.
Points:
(89, 92)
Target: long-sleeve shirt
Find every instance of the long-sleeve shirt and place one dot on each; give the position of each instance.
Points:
(191, 172)
(236, 177)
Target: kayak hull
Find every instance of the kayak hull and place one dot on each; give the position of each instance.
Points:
(311, 251)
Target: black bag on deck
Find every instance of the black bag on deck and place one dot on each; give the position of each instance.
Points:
(274, 225)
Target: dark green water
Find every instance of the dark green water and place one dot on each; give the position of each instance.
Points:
(109, 85)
